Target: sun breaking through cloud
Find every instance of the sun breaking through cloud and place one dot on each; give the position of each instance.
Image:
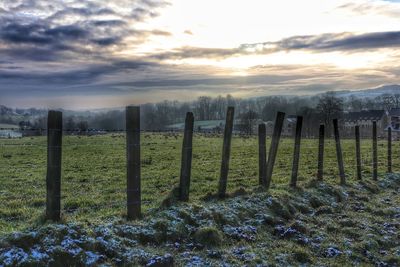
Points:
(111, 53)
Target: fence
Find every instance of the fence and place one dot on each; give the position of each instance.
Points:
(236, 166)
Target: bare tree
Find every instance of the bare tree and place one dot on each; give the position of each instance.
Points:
(391, 101)
(354, 103)
(70, 124)
(83, 126)
(329, 107)
(310, 127)
(203, 107)
(248, 121)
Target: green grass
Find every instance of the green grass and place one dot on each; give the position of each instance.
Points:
(94, 172)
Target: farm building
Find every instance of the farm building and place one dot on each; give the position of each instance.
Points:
(211, 126)
(288, 128)
(289, 125)
(394, 121)
(364, 119)
(9, 131)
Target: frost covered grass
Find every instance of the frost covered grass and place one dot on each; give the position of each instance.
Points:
(93, 181)
(319, 224)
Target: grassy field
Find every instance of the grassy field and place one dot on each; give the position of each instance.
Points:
(94, 181)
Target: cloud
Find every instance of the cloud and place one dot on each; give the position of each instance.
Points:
(339, 42)
(128, 77)
(383, 8)
(74, 29)
(330, 42)
(40, 34)
(85, 75)
(98, 49)
(198, 52)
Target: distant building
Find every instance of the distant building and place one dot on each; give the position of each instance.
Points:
(394, 121)
(211, 126)
(9, 131)
(364, 119)
(288, 128)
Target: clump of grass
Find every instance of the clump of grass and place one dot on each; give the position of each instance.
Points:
(324, 210)
(300, 226)
(316, 202)
(171, 199)
(305, 209)
(301, 255)
(209, 236)
(271, 220)
(280, 210)
(373, 188)
(7, 156)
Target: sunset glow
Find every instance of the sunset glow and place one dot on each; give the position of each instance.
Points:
(143, 51)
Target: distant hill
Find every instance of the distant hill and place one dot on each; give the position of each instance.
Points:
(6, 111)
(370, 93)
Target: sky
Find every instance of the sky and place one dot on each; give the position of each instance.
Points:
(96, 54)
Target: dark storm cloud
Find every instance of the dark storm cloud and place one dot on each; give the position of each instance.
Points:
(36, 53)
(344, 42)
(341, 42)
(87, 74)
(72, 31)
(85, 12)
(108, 23)
(40, 34)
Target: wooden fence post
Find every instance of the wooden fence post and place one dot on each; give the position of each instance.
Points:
(226, 151)
(186, 163)
(358, 152)
(53, 177)
(389, 155)
(321, 144)
(296, 152)
(339, 152)
(133, 162)
(262, 154)
(374, 151)
(273, 150)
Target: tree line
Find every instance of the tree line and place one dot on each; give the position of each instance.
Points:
(157, 116)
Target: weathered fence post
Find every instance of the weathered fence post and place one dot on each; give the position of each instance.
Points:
(358, 152)
(133, 162)
(296, 152)
(53, 178)
(226, 151)
(262, 153)
(273, 150)
(339, 152)
(374, 151)
(389, 151)
(321, 144)
(186, 163)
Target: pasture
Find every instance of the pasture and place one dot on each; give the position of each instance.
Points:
(94, 172)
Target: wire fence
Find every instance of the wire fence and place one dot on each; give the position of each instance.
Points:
(93, 183)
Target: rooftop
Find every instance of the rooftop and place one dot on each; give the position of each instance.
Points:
(364, 115)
